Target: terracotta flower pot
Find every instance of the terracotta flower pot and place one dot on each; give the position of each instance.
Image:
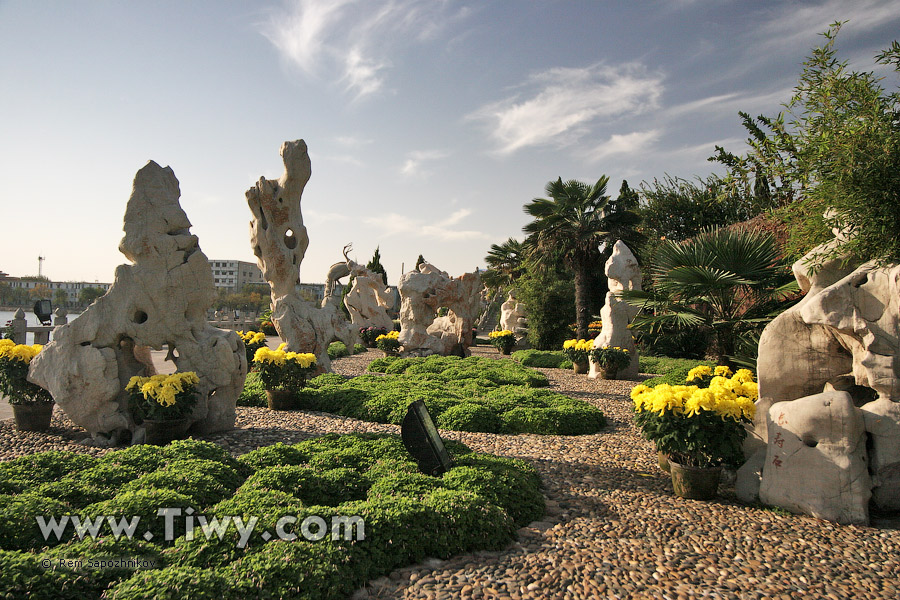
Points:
(33, 417)
(607, 373)
(696, 483)
(580, 368)
(163, 431)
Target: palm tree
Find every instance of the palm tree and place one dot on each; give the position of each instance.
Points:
(573, 223)
(729, 283)
(506, 263)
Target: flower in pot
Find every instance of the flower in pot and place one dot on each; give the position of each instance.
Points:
(164, 404)
(389, 343)
(503, 340)
(610, 360)
(253, 341)
(283, 373)
(700, 429)
(369, 335)
(32, 404)
(578, 352)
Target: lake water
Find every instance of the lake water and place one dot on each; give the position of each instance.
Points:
(7, 315)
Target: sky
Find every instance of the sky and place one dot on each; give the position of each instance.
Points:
(430, 123)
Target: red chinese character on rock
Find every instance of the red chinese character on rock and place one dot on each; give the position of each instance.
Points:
(776, 461)
(778, 441)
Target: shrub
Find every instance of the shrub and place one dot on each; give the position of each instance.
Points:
(546, 359)
(310, 485)
(173, 583)
(672, 371)
(23, 576)
(254, 392)
(45, 466)
(200, 449)
(326, 379)
(358, 348)
(274, 455)
(92, 579)
(143, 503)
(337, 350)
(18, 520)
(470, 394)
(201, 488)
(143, 458)
(470, 417)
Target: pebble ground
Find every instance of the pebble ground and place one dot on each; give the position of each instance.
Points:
(613, 528)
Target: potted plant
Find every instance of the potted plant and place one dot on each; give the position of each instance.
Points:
(389, 343)
(578, 352)
(32, 405)
(163, 403)
(253, 341)
(369, 335)
(283, 373)
(700, 428)
(610, 360)
(503, 340)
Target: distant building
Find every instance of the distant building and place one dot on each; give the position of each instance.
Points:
(233, 275)
(313, 292)
(72, 288)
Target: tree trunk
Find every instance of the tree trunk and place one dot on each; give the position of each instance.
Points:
(582, 310)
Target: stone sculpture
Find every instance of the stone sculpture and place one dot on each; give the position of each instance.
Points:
(843, 339)
(279, 241)
(159, 300)
(422, 292)
(512, 316)
(368, 300)
(624, 274)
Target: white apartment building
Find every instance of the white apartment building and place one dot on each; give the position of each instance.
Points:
(72, 288)
(233, 275)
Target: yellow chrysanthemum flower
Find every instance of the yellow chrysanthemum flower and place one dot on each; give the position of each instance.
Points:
(699, 372)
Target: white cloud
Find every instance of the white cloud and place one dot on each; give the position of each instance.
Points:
(800, 23)
(396, 224)
(351, 141)
(562, 105)
(629, 143)
(355, 38)
(413, 163)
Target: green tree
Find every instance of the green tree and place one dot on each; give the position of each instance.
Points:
(61, 298)
(835, 151)
(549, 299)
(506, 263)
(722, 282)
(87, 295)
(375, 265)
(574, 221)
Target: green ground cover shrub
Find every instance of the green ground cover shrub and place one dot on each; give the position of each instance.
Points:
(471, 394)
(545, 359)
(407, 516)
(462, 394)
(337, 350)
(672, 371)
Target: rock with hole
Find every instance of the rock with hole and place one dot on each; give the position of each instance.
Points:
(159, 300)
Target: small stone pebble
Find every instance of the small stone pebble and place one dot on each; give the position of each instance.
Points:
(613, 527)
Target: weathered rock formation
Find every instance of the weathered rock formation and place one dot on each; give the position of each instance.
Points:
(422, 292)
(624, 274)
(279, 241)
(369, 299)
(512, 316)
(159, 300)
(842, 338)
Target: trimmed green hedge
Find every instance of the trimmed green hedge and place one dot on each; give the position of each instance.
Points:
(545, 359)
(406, 516)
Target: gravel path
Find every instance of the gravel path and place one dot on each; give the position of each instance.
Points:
(613, 527)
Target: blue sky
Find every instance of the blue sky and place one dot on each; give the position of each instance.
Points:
(430, 123)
